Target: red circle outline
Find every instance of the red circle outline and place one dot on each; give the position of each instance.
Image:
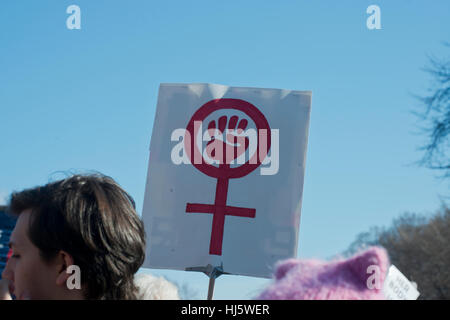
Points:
(236, 104)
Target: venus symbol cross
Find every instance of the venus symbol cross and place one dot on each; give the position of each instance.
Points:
(229, 152)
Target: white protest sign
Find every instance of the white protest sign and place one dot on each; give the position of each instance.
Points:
(225, 177)
(398, 287)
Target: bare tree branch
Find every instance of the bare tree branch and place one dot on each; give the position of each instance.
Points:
(419, 247)
(437, 117)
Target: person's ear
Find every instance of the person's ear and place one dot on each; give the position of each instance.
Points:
(65, 260)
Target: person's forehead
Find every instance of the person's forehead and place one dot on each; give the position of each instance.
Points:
(19, 234)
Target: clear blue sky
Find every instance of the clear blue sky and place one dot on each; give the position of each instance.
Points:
(85, 99)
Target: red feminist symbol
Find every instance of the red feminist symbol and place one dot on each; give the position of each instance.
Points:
(223, 172)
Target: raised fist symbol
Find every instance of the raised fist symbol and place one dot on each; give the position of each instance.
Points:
(235, 144)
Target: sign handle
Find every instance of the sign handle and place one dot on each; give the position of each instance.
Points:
(212, 273)
(212, 281)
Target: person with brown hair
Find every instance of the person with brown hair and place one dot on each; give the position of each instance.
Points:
(87, 221)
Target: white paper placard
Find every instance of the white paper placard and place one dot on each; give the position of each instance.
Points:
(183, 205)
(398, 287)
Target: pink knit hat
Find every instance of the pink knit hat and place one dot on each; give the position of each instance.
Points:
(360, 277)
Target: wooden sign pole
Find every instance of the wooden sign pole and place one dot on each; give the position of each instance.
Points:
(212, 280)
(213, 273)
